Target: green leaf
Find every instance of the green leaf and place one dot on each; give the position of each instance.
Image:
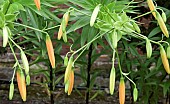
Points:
(84, 35)
(24, 18)
(80, 23)
(5, 6)
(165, 86)
(154, 32)
(15, 7)
(39, 12)
(34, 20)
(51, 15)
(10, 17)
(2, 19)
(58, 79)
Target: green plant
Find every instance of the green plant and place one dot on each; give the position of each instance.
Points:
(103, 22)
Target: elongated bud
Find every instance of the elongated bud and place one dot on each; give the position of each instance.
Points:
(168, 52)
(65, 37)
(64, 23)
(122, 91)
(162, 25)
(28, 79)
(71, 82)
(5, 35)
(21, 84)
(50, 51)
(11, 90)
(164, 58)
(38, 4)
(66, 18)
(68, 69)
(25, 62)
(151, 7)
(60, 32)
(65, 61)
(129, 26)
(112, 80)
(164, 16)
(136, 27)
(114, 39)
(94, 15)
(148, 48)
(66, 86)
(135, 94)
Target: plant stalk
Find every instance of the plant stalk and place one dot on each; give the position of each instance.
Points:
(88, 74)
(51, 85)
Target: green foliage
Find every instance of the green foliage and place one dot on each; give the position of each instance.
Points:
(113, 29)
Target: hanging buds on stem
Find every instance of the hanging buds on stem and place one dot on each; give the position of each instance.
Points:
(11, 90)
(25, 62)
(68, 69)
(148, 48)
(50, 51)
(151, 7)
(162, 25)
(164, 58)
(21, 83)
(135, 94)
(122, 91)
(112, 80)
(71, 82)
(62, 29)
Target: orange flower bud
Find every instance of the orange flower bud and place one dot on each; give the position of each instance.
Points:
(21, 84)
(151, 7)
(66, 18)
(164, 58)
(50, 51)
(71, 82)
(38, 4)
(122, 91)
(68, 69)
(162, 25)
(60, 32)
(63, 25)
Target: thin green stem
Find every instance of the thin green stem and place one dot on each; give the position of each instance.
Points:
(144, 37)
(15, 44)
(113, 58)
(29, 27)
(14, 54)
(13, 75)
(68, 53)
(120, 68)
(164, 42)
(130, 80)
(51, 28)
(97, 36)
(121, 72)
(109, 14)
(142, 15)
(79, 55)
